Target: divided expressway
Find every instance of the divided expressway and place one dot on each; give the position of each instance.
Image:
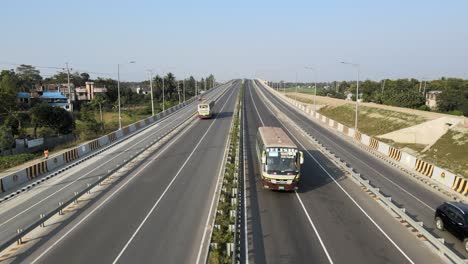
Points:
(160, 211)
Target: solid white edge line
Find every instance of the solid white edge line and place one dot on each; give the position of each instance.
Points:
(349, 196)
(168, 186)
(172, 142)
(322, 244)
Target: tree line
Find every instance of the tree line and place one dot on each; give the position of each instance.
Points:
(409, 93)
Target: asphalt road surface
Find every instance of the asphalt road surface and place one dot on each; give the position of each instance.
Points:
(419, 200)
(328, 220)
(179, 183)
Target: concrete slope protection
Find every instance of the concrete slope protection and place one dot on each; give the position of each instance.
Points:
(26, 207)
(157, 213)
(419, 200)
(330, 219)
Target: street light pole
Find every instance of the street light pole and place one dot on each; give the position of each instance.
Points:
(178, 90)
(315, 86)
(69, 89)
(183, 83)
(151, 86)
(164, 99)
(118, 94)
(357, 92)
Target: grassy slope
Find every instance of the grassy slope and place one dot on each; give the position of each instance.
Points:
(372, 121)
(450, 151)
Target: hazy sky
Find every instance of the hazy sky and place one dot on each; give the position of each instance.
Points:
(232, 39)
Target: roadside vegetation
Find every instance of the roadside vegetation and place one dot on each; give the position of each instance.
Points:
(409, 93)
(35, 118)
(372, 121)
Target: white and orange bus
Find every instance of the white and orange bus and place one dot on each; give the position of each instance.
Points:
(279, 159)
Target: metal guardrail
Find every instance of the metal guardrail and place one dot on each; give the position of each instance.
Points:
(62, 205)
(438, 243)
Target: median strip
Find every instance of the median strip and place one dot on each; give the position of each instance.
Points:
(225, 236)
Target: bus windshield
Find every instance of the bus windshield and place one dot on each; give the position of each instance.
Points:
(203, 106)
(278, 162)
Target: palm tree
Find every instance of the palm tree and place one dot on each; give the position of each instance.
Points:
(98, 101)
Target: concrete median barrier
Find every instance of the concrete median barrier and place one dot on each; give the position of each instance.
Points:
(36, 170)
(357, 136)
(445, 177)
(104, 141)
(365, 139)
(383, 148)
(424, 167)
(55, 162)
(460, 185)
(70, 155)
(394, 153)
(374, 143)
(340, 127)
(407, 160)
(11, 181)
(93, 145)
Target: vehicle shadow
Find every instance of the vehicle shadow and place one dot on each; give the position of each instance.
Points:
(318, 171)
(222, 115)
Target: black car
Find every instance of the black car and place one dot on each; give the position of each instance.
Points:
(453, 216)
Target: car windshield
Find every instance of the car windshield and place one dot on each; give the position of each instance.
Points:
(280, 163)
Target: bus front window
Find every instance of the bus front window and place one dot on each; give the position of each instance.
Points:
(278, 163)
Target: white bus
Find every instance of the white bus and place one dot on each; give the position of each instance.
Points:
(205, 109)
(279, 159)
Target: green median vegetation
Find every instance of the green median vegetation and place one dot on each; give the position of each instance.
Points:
(222, 233)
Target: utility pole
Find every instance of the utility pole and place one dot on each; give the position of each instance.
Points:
(69, 89)
(151, 86)
(383, 86)
(183, 84)
(178, 90)
(164, 99)
(355, 65)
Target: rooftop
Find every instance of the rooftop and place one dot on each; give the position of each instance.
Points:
(275, 137)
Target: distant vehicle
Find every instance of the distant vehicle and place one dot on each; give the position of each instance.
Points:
(202, 91)
(205, 109)
(453, 217)
(279, 159)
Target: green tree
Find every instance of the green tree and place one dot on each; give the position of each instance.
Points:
(28, 76)
(40, 116)
(454, 96)
(61, 121)
(6, 138)
(8, 92)
(98, 101)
